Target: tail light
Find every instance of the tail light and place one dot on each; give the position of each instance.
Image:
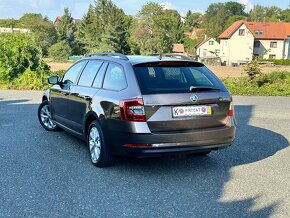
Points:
(133, 110)
(231, 109)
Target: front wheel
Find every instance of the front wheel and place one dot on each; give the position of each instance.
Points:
(99, 151)
(44, 117)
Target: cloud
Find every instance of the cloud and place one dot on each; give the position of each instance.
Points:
(167, 5)
(248, 4)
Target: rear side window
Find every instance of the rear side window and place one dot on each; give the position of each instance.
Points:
(174, 79)
(89, 73)
(115, 78)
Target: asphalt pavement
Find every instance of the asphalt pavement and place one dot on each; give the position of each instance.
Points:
(49, 174)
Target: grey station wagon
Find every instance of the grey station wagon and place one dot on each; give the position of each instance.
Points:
(140, 106)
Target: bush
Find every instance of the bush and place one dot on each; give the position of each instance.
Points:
(285, 62)
(19, 53)
(253, 69)
(272, 84)
(60, 51)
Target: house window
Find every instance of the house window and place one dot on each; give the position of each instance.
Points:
(217, 51)
(272, 56)
(210, 42)
(258, 32)
(241, 32)
(273, 44)
(257, 44)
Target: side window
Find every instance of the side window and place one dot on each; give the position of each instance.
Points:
(115, 78)
(89, 73)
(72, 74)
(100, 76)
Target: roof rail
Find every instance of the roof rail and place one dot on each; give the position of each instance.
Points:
(172, 55)
(109, 54)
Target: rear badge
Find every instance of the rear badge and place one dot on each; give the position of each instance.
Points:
(193, 98)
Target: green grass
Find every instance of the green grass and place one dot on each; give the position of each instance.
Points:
(272, 84)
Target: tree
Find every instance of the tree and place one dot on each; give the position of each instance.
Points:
(219, 15)
(60, 51)
(192, 21)
(151, 30)
(66, 29)
(173, 25)
(42, 29)
(270, 14)
(285, 15)
(103, 28)
(19, 52)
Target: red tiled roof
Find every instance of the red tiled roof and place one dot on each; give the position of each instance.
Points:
(231, 30)
(260, 30)
(178, 48)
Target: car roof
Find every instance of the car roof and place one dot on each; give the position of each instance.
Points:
(140, 59)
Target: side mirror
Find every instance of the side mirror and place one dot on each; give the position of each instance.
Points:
(53, 80)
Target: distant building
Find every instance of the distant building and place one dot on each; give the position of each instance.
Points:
(58, 19)
(243, 41)
(195, 33)
(207, 48)
(14, 30)
(178, 48)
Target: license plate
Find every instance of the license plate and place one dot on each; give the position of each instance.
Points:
(188, 111)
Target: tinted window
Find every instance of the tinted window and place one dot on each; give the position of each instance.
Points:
(115, 78)
(174, 79)
(89, 73)
(72, 74)
(100, 76)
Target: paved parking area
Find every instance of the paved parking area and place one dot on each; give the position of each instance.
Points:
(49, 174)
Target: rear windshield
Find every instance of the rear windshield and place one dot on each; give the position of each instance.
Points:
(175, 79)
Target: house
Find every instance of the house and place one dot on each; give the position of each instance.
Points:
(178, 48)
(207, 48)
(243, 41)
(58, 19)
(195, 33)
(14, 30)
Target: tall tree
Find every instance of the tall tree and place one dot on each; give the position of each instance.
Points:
(66, 29)
(192, 21)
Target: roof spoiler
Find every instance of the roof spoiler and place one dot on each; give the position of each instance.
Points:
(109, 54)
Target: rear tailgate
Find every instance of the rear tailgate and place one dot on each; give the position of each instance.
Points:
(177, 112)
(182, 96)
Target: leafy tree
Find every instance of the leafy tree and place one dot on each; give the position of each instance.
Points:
(192, 21)
(19, 52)
(42, 29)
(219, 15)
(8, 23)
(270, 14)
(285, 15)
(173, 25)
(151, 31)
(60, 51)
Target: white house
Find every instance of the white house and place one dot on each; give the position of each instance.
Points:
(207, 48)
(243, 41)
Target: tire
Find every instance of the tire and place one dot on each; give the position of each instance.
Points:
(44, 117)
(99, 151)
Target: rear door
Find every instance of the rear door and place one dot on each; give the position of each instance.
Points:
(81, 95)
(182, 97)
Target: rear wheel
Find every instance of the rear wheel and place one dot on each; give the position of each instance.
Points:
(44, 117)
(99, 152)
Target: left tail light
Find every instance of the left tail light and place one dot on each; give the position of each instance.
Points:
(133, 110)
(231, 111)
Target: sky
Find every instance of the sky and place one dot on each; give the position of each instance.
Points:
(52, 8)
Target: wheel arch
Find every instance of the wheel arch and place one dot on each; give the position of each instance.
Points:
(90, 117)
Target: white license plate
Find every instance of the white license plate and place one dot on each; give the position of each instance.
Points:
(187, 111)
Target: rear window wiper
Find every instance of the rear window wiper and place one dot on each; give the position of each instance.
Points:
(196, 88)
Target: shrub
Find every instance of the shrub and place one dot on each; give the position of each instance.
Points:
(60, 51)
(285, 62)
(19, 53)
(253, 69)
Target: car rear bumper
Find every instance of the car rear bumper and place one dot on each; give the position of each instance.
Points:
(128, 144)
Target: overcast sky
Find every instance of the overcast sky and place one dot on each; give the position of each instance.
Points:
(53, 8)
